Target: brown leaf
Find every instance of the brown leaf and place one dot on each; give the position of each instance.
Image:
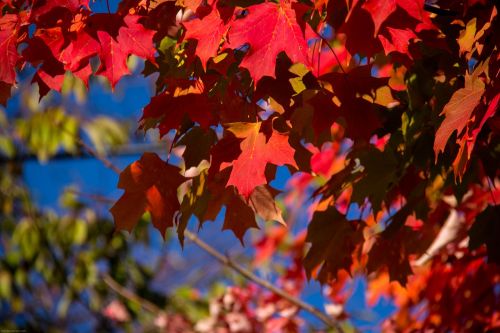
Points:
(392, 253)
(458, 111)
(263, 204)
(332, 239)
(150, 185)
(239, 217)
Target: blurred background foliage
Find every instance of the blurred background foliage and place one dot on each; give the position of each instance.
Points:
(63, 268)
(45, 128)
(55, 268)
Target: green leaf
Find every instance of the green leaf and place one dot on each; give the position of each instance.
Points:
(79, 232)
(105, 133)
(5, 285)
(7, 146)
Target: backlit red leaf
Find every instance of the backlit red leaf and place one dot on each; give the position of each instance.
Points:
(8, 48)
(397, 40)
(132, 39)
(80, 48)
(268, 29)
(379, 10)
(256, 153)
(208, 31)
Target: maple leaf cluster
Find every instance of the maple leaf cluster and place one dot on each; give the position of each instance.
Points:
(382, 108)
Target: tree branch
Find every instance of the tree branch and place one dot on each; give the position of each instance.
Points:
(126, 150)
(225, 260)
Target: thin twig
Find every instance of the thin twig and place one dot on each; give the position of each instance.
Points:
(94, 153)
(346, 76)
(491, 186)
(224, 260)
(93, 197)
(332, 50)
(107, 5)
(439, 11)
(131, 296)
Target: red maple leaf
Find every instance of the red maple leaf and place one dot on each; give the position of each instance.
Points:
(110, 37)
(256, 153)
(132, 38)
(398, 41)
(239, 216)
(269, 29)
(394, 22)
(137, 39)
(53, 38)
(82, 47)
(50, 74)
(170, 109)
(391, 252)
(113, 58)
(332, 239)
(69, 52)
(208, 31)
(414, 8)
(43, 7)
(379, 10)
(468, 140)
